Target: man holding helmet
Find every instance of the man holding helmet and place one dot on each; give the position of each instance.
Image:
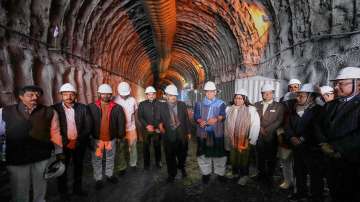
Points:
(341, 132)
(32, 132)
(75, 127)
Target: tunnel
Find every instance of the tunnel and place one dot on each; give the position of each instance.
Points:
(182, 42)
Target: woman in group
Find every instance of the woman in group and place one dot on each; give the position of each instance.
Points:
(242, 126)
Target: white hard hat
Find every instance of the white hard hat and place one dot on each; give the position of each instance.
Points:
(289, 96)
(209, 86)
(54, 169)
(307, 88)
(105, 89)
(326, 89)
(267, 87)
(150, 89)
(241, 92)
(348, 73)
(67, 87)
(171, 90)
(123, 89)
(294, 81)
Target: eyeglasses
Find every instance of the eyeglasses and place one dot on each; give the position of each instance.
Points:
(336, 83)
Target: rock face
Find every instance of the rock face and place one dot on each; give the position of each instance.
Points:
(311, 40)
(90, 42)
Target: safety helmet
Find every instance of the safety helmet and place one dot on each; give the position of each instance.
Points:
(54, 169)
(150, 89)
(67, 87)
(326, 89)
(124, 89)
(241, 92)
(294, 81)
(171, 90)
(289, 96)
(209, 86)
(307, 88)
(105, 89)
(348, 73)
(267, 87)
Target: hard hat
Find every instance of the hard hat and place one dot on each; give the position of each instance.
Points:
(209, 86)
(54, 169)
(241, 92)
(289, 96)
(124, 89)
(171, 90)
(294, 81)
(267, 87)
(105, 89)
(326, 89)
(307, 88)
(150, 89)
(67, 87)
(348, 73)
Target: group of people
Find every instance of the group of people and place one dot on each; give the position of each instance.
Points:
(312, 131)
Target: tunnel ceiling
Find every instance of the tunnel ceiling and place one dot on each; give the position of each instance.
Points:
(183, 41)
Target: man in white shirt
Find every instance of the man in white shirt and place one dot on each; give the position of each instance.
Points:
(130, 107)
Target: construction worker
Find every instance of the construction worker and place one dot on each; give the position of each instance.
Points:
(130, 107)
(341, 136)
(209, 115)
(173, 121)
(146, 116)
(75, 128)
(32, 132)
(300, 132)
(108, 128)
(271, 117)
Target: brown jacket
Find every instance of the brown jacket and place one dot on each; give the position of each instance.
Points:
(271, 120)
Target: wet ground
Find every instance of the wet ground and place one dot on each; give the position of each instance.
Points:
(151, 186)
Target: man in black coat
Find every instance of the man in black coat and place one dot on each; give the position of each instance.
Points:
(300, 132)
(340, 137)
(173, 121)
(75, 128)
(146, 115)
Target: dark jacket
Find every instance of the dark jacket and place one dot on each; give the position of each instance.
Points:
(303, 127)
(27, 137)
(340, 127)
(162, 115)
(83, 122)
(117, 120)
(146, 113)
(271, 120)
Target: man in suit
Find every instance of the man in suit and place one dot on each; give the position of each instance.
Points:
(340, 134)
(75, 128)
(173, 121)
(271, 117)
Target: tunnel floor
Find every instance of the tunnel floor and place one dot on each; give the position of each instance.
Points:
(150, 186)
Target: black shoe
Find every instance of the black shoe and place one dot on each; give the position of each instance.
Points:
(297, 197)
(158, 165)
(122, 172)
(147, 167)
(170, 179)
(183, 173)
(65, 197)
(99, 184)
(205, 179)
(133, 168)
(221, 179)
(113, 179)
(80, 192)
